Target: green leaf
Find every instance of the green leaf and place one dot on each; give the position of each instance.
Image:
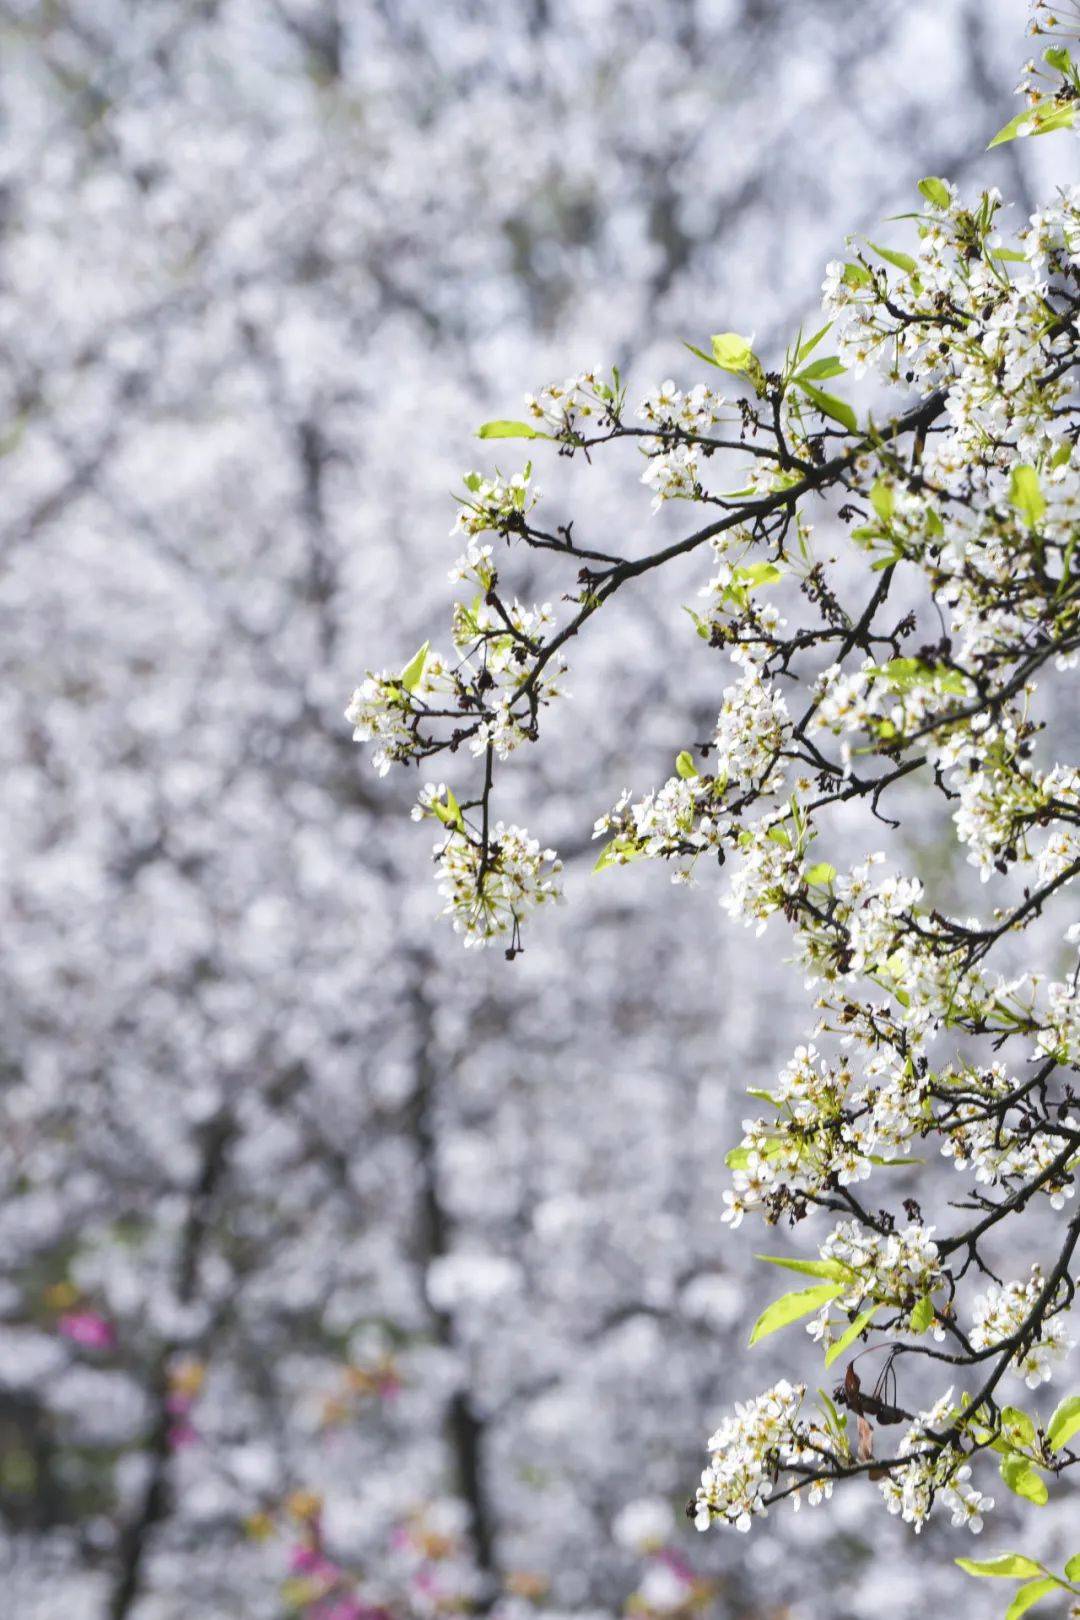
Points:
(1025, 494)
(902, 261)
(835, 1269)
(857, 275)
(790, 1307)
(509, 430)
(935, 191)
(700, 624)
(1057, 57)
(820, 874)
(414, 669)
(811, 343)
(837, 1421)
(835, 1351)
(684, 765)
(617, 853)
(1064, 1423)
(829, 405)
(738, 1158)
(883, 500)
(731, 352)
(734, 353)
(827, 366)
(1044, 118)
(760, 573)
(923, 1314)
(708, 359)
(454, 809)
(1010, 1566)
(1020, 1476)
(1009, 131)
(449, 813)
(1029, 1595)
(1072, 1568)
(1018, 1427)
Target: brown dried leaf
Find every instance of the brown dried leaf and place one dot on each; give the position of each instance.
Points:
(866, 1439)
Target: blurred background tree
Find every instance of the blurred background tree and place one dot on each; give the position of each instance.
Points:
(339, 1268)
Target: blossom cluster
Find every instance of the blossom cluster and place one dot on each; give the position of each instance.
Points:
(982, 1131)
(495, 504)
(488, 890)
(384, 710)
(673, 471)
(1002, 1311)
(750, 1448)
(899, 1268)
(566, 408)
(933, 1473)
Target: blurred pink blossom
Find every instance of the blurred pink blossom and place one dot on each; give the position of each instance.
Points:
(88, 1329)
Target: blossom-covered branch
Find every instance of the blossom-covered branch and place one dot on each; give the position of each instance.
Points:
(905, 677)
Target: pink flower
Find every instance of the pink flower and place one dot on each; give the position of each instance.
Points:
(345, 1608)
(310, 1561)
(677, 1565)
(88, 1329)
(182, 1434)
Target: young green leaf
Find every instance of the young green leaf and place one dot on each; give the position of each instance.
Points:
(820, 875)
(1064, 1423)
(617, 853)
(751, 575)
(935, 191)
(414, 669)
(1018, 1427)
(684, 765)
(829, 405)
(1026, 495)
(811, 343)
(731, 352)
(790, 1307)
(922, 1315)
(902, 261)
(1020, 1476)
(817, 370)
(708, 359)
(1042, 119)
(857, 275)
(1029, 1595)
(863, 1320)
(449, 813)
(734, 353)
(1072, 1568)
(1008, 1566)
(810, 1268)
(509, 430)
(883, 499)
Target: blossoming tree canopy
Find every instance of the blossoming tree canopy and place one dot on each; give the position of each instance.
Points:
(904, 676)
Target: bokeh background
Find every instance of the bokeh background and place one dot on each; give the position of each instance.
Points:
(305, 1211)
